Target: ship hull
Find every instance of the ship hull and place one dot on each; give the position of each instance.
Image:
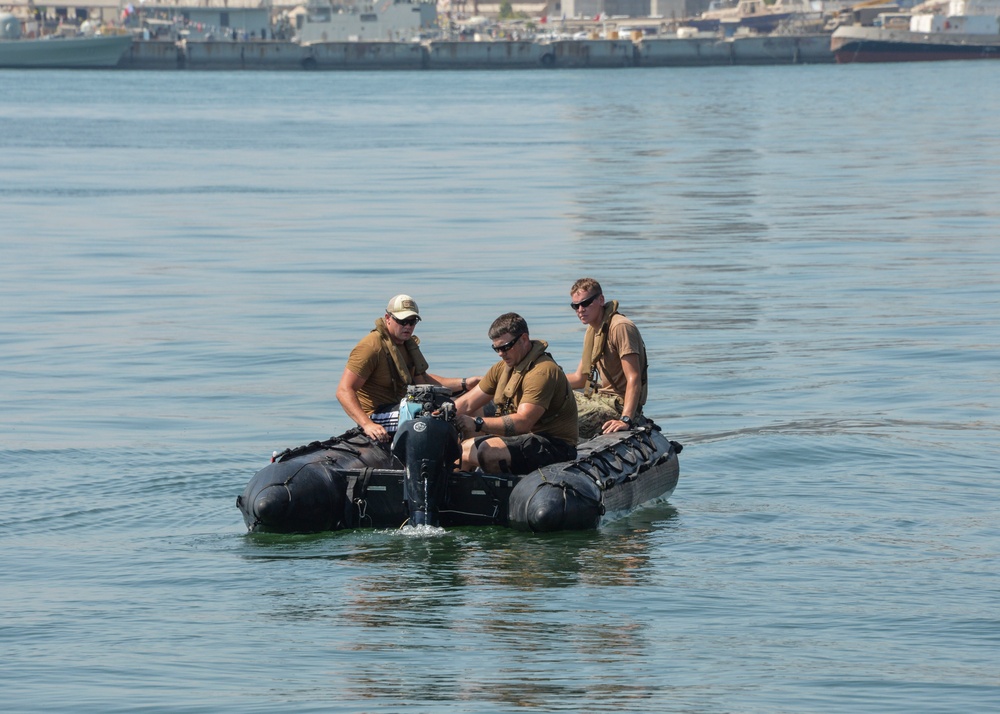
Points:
(99, 52)
(872, 44)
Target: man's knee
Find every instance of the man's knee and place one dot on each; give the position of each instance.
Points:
(494, 457)
(469, 455)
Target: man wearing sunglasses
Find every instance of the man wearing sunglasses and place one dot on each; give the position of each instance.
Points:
(381, 366)
(536, 423)
(612, 371)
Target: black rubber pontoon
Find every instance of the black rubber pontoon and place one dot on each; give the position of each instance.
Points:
(350, 481)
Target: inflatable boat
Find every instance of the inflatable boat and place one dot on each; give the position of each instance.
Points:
(349, 481)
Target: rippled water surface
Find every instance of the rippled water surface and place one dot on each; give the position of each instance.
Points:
(812, 254)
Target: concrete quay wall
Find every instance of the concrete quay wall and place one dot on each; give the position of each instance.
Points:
(593, 53)
(783, 49)
(530, 55)
(364, 55)
(153, 54)
(749, 50)
(437, 54)
(242, 55)
(485, 55)
(684, 52)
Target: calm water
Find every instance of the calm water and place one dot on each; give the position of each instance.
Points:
(812, 253)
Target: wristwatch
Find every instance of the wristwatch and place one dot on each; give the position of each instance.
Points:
(479, 423)
(627, 421)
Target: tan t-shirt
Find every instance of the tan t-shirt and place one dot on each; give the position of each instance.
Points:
(370, 361)
(623, 339)
(545, 385)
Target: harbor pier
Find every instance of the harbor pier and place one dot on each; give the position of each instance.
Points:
(462, 55)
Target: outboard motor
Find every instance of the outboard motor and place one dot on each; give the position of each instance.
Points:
(428, 447)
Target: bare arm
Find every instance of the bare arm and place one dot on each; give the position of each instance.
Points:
(577, 379)
(472, 401)
(633, 389)
(347, 395)
(452, 383)
(520, 422)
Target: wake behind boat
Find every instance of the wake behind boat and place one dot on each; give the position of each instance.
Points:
(349, 481)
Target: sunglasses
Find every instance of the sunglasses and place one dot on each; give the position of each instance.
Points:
(584, 303)
(499, 349)
(409, 322)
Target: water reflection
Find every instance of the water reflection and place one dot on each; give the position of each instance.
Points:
(471, 614)
(494, 588)
(468, 557)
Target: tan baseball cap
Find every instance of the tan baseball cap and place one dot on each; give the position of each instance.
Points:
(402, 307)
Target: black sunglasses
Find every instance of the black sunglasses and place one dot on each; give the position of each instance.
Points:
(503, 348)
(409, 322)
(584, 303)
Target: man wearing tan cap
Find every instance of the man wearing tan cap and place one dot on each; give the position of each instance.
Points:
(381, 366)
